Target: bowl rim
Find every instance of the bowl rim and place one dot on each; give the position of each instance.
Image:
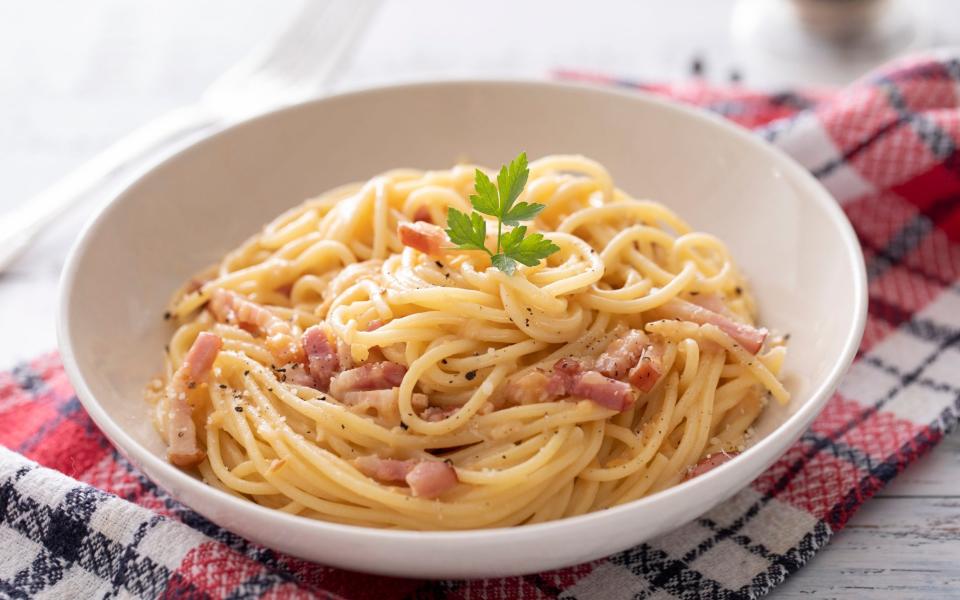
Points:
(799, 420)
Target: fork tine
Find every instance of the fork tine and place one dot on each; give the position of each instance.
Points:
(297, 63)
(331, 36)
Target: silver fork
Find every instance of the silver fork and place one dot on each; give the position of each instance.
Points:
(296, 65)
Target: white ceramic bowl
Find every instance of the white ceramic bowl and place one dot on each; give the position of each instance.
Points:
(782, 227)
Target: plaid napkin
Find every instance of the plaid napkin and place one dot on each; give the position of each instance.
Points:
(886, 147)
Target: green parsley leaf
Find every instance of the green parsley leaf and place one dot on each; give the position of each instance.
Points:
(522, 212)
(470, 232)
(486, 200)
(467, 232)
(512, 238)
(511, 181)
(529, 250)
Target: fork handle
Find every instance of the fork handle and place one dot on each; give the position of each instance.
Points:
(19, 227)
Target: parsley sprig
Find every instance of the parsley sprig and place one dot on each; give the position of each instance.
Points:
(469, 232)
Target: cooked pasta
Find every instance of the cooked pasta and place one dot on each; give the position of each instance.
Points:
(340, 365)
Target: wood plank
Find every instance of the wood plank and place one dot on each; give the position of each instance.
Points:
(935, 475)
(27, 317)
(893, 548)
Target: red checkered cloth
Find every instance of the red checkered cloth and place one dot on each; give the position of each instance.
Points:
(886, 147)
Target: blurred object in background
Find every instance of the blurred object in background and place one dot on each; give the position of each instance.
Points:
(825, 42)
(842, 22)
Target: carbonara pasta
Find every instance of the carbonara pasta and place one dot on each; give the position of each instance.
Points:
(349, 364)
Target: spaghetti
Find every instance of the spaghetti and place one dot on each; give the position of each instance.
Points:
(337, 367)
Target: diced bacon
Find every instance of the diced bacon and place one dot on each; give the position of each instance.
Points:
(200, 357)
(648, 369)
(229, 306)
(431, 479)
(604, 391)
(532, 388)
(384, 404)
(322, 360)
(426, 478)
(565, 371)
(419, 401)
(384, 470)
(751, 338)
(185, 454)
(559, 384)
(571, 377)
(438, 413)
(709, 463)
(376, 398)
(571, 366)
(711, 302)
(568, 365)
(422, 214)
(369, 376)
(183, 450)
(297, 374)
(344, 355)
(423, 236)
(622, 354)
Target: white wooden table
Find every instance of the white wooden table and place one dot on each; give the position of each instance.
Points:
(75, 76)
